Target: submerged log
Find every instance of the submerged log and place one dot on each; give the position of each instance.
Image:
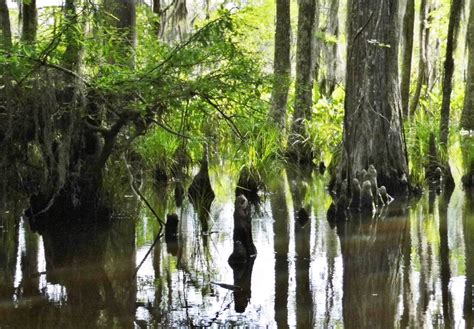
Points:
(244, 248)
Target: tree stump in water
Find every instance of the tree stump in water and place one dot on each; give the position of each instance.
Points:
(249, 184)
(201, 194)
(244, 248)
(171, 226)
(171, 234)
(201, 188)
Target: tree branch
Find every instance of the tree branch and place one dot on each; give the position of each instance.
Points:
(227, 118)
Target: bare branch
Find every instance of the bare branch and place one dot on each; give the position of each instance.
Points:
(227, 118)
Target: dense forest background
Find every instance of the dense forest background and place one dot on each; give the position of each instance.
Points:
(94, 91)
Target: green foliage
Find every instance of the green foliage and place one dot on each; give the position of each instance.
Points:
(325, 130)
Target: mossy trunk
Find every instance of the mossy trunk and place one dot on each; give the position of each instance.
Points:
(5, 30)
(29, 21)
(451, 41)
(330, 50)
(300, 150)
(423, 56)
(467, 117)
(282, 63)
(74, 37)
(408, 26)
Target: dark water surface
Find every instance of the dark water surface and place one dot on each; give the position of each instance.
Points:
(411, 265)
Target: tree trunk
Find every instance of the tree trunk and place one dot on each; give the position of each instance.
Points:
(467, 117)
(423, 57)
(29, 21)
(124, 11)
(453, 30)
(73, 32)
(305, 49)
(408, 25)
(5, 30)
(158, 12)
(330, 49)
(372, 122)
(282, 63)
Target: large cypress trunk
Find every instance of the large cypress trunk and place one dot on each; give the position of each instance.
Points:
(467, 117)
(282, 63)
(373, 132)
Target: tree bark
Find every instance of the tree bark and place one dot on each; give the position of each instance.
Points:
(6, 34)
(29, 21)
(125, 12)
(282, 63)
(157, 10)
(330, 49)
(453, 29)
(467, 117)
(423, 57)
(73, 32)
(408, 26)
(305, 50)
(372, 122)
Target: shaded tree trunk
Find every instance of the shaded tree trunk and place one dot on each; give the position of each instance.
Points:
(125, 12)
(282, 63)
(445, 269)
(281, 242)
(73, 53)
(408, 26)
(453, 30)
(179, 17)
(157, 10)
(423, 57)
(29, 21)
(467, 117)
(372, 122)
(305, 49)
(5, 30)
(328, 84)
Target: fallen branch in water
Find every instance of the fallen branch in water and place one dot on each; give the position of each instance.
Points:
(232, 287)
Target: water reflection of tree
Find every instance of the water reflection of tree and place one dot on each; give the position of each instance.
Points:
(8, 253)
(95, 265)
(371, 253)
(444, 260)
(468, 224)
(281, 243)
(304, 297)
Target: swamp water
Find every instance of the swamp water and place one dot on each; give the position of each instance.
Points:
(411, 265)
